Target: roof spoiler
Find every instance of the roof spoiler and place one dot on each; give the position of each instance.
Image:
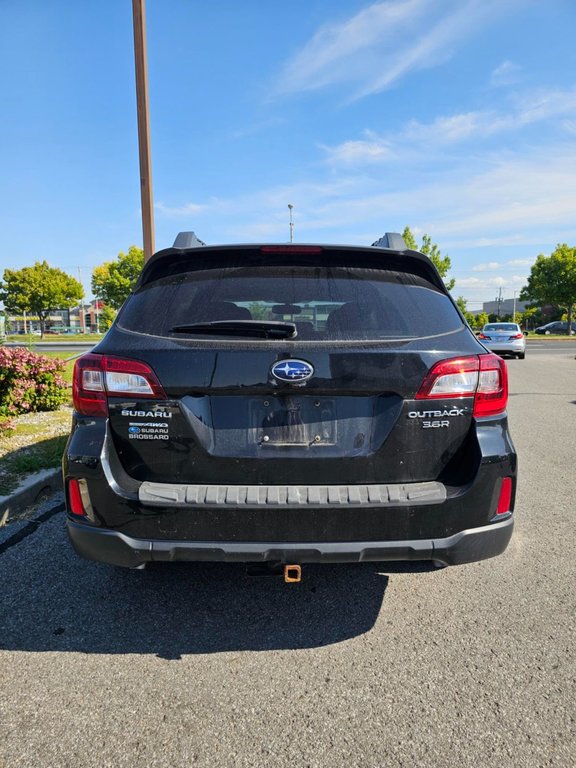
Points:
(392, 240)
(187, 240)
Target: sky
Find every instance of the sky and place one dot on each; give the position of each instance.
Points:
(454, 117)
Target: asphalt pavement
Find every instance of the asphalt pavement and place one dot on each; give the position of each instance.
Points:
(360, 665)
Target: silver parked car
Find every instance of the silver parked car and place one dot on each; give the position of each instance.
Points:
(504, 338)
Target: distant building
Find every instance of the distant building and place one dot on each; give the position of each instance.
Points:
(503, 307)
(81, 319)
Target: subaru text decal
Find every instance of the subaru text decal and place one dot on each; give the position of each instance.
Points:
(292, 370)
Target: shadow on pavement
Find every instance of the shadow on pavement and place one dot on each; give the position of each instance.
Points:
(55, 601)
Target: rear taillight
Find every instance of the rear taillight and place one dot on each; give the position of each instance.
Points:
(483, 377)
(98, 377)
(492, 393)
(517, 336)
(483, 336)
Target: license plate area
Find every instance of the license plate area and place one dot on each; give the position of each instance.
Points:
(291, 421)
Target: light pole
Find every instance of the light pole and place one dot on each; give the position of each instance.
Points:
(290, 206)
(139, 21)
(82, 317)
(499, 300)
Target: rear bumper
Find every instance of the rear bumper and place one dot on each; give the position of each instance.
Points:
(118, 549)
(510, 347)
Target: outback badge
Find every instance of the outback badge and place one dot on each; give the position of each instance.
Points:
(292, 370)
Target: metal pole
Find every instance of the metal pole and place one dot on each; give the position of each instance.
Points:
(290, 206)
(81, 317)
(139, 19)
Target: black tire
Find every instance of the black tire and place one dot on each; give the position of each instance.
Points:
(521, 355)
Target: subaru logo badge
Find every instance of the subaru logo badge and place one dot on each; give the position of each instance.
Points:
(292, 370)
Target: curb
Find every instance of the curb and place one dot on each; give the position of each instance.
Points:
(31, 490)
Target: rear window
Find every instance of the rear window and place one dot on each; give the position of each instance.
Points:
(339, 301)
(501, 327)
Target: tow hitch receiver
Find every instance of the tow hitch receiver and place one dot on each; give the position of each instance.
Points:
(292, 574)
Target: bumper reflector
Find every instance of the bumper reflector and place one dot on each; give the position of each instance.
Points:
(505, 500)
(75, 497)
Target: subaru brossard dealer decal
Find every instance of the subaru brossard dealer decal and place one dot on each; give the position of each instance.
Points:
(292, 370)
(148, 430)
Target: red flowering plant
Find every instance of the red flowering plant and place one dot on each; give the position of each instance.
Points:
(29, 382)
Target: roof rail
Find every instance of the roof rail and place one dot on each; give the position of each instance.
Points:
(187, 240)
(392, 240)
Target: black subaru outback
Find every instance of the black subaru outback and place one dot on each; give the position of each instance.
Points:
(289, 404)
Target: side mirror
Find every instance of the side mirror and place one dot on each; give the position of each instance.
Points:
(525, 333)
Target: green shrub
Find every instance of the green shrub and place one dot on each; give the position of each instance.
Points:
(6, 426)
(29, 382)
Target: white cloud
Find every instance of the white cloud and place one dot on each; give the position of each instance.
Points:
(520, 262)
(547, 105)
(505, 74)
(369, 151)
(328, 56)
(490, 266)
(446, 129)
(181, 211)
(417, 138)
(474, 282)
(384, 42)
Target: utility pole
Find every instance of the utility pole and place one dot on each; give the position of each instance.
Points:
(290, 206)
(82, 316)
(499, 300)
(139, 20)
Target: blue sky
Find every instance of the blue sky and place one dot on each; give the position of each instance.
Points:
(455, 117)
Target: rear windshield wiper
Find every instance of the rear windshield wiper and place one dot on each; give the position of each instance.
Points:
(253, 329)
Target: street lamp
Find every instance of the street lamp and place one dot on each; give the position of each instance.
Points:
(290, 206)
(82, 317)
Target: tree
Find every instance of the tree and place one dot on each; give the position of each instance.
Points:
(481, 319)
(430, 249)
(40, 289)
(107, 316)
(552, 280)
(112, 281)
(462, 306)
(529, 318)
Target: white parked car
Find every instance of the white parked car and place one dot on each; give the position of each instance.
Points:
(504, 338)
